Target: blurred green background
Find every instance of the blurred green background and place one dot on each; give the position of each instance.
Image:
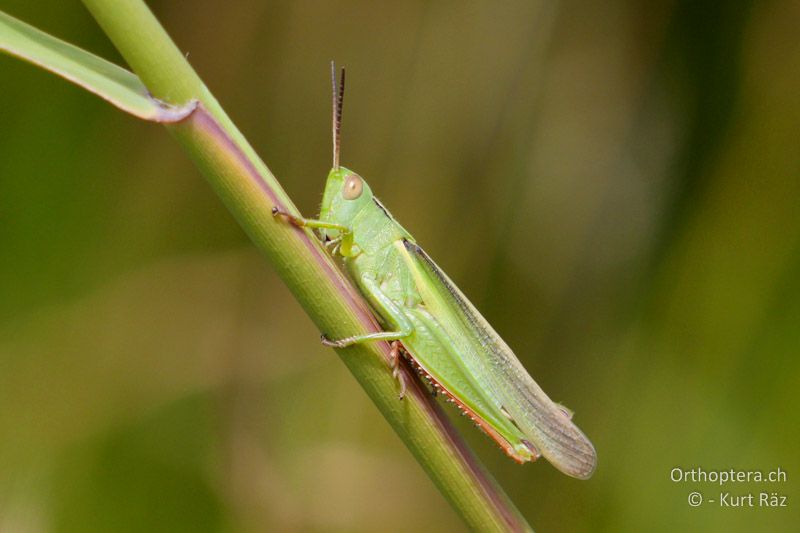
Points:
(614, 184)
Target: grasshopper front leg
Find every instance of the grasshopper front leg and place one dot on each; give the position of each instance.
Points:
(345, 246)
(301, 222)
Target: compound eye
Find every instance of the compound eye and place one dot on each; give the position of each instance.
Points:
(353, 186)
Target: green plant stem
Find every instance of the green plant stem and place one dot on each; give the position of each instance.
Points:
(250, 191)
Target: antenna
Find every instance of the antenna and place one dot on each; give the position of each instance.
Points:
(337, 113)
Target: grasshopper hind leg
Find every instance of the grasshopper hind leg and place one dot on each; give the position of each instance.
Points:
(394, 363)
(394, 358)
(388, 308)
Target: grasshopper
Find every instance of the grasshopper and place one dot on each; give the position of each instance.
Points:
(428, 320)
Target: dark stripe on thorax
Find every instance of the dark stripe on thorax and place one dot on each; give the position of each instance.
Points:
(380, 206)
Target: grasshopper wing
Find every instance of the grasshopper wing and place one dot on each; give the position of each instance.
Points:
(545, 424)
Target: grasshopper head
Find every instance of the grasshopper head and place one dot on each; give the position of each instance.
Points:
(346, 194)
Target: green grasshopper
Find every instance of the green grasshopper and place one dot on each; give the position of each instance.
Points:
(428, 320)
